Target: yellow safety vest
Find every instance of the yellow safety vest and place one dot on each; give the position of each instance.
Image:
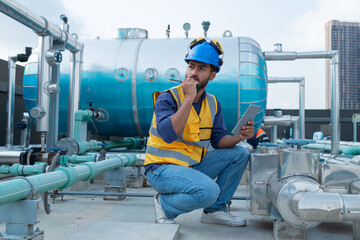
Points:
(192, 144)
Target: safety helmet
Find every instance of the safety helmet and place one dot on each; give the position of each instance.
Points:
(207, 52)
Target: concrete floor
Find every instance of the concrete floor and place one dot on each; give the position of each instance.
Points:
(90, 217)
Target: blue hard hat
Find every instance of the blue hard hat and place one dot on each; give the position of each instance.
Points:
(205, 53)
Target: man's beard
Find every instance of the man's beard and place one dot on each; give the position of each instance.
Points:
(201, 85)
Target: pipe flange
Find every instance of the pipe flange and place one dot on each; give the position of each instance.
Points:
(285, 197)
(71, 145)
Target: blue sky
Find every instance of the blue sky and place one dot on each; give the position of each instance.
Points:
(298, 25)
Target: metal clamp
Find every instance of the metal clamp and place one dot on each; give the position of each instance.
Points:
(31, 185)
(46, 27)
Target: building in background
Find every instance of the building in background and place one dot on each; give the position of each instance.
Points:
(345, 37)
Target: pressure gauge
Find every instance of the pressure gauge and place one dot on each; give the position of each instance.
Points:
(187, 26)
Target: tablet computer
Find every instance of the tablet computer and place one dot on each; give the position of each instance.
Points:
(249, 115)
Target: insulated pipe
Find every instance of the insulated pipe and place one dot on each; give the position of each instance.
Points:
(335, 104)
(292, 55)
(285, 120)
(76, 61)
(274, 130)
(61, 178)
(326, 207)
(42, 111)
(40, 25)
(335, 112)
(301, 82)
(10, 157)
(10, 102)
(281, 192)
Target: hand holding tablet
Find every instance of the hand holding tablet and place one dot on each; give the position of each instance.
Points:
(249, 115)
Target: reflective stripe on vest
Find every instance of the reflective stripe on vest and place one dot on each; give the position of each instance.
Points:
(161, 152)
(170, 154)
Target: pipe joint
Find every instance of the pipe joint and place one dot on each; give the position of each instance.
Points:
(72, 176)
(94, 170)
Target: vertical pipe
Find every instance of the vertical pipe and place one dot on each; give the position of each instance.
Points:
(356, 230)
(10, 102)
(44, 76)
(25, 133)
(52, 136)
(76, 60)
(274, 133)
(302, 107)
(335, 130)
(354, 129)
(296, 126)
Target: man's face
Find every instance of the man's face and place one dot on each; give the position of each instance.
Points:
(200, 72)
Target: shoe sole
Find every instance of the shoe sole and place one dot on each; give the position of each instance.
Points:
(211, 221)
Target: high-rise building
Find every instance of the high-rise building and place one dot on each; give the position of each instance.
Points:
(345, 37)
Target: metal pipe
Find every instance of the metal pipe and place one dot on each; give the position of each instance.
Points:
(44, 79)
(52, 136)
(25, 133)
(326, 207)
(333, 54)
(301, 81)
(274, 133)
(121, 194)
(76, 61)
(335, 104)
(285, 120)
(61, 178)
(40, 25)
(292, 55)
(10, 102)
(281, 192)
(10, 157)
(302, 108)
(354, 130)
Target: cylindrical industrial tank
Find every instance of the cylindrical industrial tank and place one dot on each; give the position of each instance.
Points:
(120, 75)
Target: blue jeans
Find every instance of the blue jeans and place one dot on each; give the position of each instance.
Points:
(184, 189)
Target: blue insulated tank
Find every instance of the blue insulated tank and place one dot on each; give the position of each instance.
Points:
(120, 75)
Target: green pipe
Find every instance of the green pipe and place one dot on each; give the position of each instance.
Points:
(61, 178)
(66, 160)
(93, 145)
(80, 115)
(322, 147)
(351, 150)
(21, 170)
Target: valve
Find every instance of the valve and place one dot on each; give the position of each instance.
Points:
(37, 112)
(64, 18)
(21, 125)
(53, 57)
(53, 88)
